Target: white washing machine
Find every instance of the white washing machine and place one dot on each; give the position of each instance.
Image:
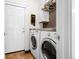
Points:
(48, 45)
(34, 42)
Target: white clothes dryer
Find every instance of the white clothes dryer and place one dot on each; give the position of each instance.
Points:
(48, 45)
(34, 42)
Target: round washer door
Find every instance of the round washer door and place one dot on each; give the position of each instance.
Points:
(48, 49)
(34, 42)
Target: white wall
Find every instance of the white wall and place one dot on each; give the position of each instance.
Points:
(33, 8)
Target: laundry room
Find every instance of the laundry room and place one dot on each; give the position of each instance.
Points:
(36, 29)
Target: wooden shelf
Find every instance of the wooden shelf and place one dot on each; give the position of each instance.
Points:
(44, 21)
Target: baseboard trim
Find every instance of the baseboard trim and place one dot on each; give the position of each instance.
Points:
(14, 52)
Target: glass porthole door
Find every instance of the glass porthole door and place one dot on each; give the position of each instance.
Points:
(48, 50)
(34, 43)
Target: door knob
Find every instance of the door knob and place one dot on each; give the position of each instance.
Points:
(58, 37)
(5, 33)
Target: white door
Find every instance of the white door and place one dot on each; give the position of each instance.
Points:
(64, 28)
(14, 28)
